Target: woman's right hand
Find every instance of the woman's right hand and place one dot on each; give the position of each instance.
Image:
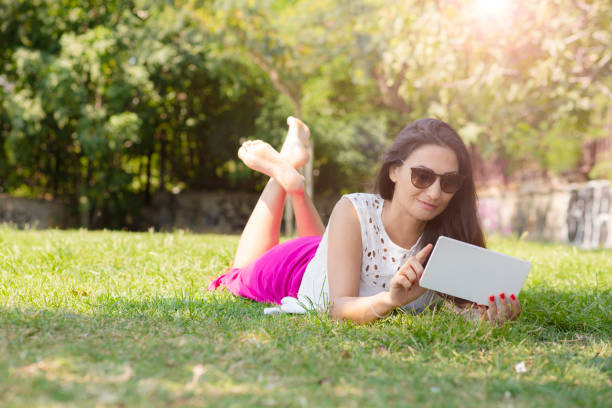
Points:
(404, 287)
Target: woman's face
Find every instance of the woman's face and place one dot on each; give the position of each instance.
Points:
(424, 204)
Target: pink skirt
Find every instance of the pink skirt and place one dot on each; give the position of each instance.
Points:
(274, 275)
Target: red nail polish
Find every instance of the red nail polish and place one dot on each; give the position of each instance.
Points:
(502, 296)
(512, 296)
(491, 298)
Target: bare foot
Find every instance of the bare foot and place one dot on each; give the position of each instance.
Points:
(260, 156)
(296, 143)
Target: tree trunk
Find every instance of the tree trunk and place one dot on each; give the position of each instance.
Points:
(86, 215)
(148, 186)
(81, 187)
(162, 164)
(56, 169)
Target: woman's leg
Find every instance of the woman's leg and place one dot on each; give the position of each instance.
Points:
(263, 227)
(307, 217)
(295, 151)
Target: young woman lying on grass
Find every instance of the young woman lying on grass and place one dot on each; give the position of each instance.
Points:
(369, 259)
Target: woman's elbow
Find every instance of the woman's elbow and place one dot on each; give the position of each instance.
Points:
(338, 310)
(335, 312)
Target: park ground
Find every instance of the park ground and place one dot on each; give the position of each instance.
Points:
(123, 319)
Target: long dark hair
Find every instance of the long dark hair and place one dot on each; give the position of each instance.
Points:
(459, 220)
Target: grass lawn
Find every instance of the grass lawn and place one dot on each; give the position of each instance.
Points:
(121, 319)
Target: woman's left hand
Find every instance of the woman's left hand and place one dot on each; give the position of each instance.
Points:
(510, 309)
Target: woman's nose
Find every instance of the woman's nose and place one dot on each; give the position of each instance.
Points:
(435, 190)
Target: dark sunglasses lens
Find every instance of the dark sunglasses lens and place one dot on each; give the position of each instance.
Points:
(422, 178)
(451, 183)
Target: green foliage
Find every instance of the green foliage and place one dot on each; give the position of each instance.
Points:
(603, 169)
(149, 95)
(529, 83)
(104, 102)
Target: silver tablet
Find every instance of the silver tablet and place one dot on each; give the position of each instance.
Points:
(471, 272)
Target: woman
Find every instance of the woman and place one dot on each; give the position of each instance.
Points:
(369, 260)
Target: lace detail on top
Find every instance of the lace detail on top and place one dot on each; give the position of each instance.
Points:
(381, 257)
(380, 260)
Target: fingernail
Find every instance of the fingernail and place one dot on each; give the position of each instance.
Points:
(502, 296)
(491, 298)
(512, 296)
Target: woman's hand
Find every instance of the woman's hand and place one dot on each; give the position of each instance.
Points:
(510, 309)
(404, 286)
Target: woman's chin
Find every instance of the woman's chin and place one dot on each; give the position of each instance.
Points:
(427, 215)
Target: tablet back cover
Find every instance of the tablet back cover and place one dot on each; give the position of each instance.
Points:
(471, 272)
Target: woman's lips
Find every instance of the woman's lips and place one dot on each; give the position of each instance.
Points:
(427, 206)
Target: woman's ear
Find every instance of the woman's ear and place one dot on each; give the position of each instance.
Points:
(393, 170)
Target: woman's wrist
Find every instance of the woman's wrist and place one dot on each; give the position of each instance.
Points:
(382, 306)
(385, 298)
(375, 313)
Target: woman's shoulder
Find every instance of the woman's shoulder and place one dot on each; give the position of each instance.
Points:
(348, 210)
(360, 208)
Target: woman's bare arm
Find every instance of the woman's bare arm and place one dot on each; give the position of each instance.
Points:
(344, 269)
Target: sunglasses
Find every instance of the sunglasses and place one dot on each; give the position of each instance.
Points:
(422, 178)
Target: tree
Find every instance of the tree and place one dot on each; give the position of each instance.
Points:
(105, 100)
(105, 103)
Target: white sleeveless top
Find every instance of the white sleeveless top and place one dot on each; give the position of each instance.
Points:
(380, 260)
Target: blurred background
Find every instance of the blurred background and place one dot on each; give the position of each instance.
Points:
(128, 114)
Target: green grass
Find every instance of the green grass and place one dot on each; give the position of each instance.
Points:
(121, 319)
